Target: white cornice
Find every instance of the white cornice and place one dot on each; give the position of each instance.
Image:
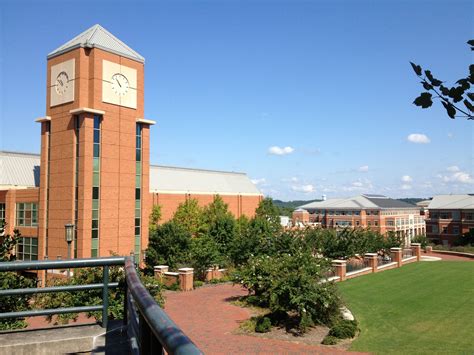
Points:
(43, 119)
(86, 110)
(145, 121)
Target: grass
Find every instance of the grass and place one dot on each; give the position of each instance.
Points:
(425, 307)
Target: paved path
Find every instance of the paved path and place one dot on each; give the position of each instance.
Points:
(448, 257)
(209, 319)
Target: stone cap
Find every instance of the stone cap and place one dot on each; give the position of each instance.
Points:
(186, 270)
(341, 262)
(416, 244)
(395, 249)
(371, 255)
(169, 273)
(160, 266)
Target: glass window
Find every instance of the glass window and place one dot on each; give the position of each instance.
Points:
(455, 230)
(27, 248)
(2, 212)
(27, 214)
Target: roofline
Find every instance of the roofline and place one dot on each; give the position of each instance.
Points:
(194, 169)
(363, 208)
(92, 46)
(180, 192)
(20, 153)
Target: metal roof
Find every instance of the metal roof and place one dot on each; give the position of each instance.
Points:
(465, 201)
(359, 202)
(22, 170)
(167, 179)
(19, 170)
(98, 37)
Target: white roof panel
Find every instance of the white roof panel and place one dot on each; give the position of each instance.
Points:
(98, 37)
(465, 201)
(19, 169)
(183, 180)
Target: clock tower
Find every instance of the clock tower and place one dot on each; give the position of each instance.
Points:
(94, 149)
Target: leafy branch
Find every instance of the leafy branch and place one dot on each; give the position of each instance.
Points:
(449, 97)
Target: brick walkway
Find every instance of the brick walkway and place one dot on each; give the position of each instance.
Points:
(209, 319)
(448, 257)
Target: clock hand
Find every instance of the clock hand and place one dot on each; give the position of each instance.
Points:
(118, 82)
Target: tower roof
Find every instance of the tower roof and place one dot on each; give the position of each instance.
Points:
(98, 37)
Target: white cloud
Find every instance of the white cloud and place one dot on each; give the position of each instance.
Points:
(453, 168)
(294, 179)
(303, 188)
(418, 138)
(280, 151)
(357, 184)
(364, 168)
(450, 135)
(459, 176)
(406, 187)
(258, 181)
(407, 178)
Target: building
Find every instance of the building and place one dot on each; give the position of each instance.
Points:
(94, 169)
(450, 216)
(377, 212)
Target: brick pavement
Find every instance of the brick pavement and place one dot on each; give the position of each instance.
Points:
(448, 257)
(209, 319)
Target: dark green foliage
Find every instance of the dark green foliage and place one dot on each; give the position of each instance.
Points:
(420, 239)
(263, 325)
(94, 297)
(290, 283)
(168, 245)
(449, 97)
(204, 253)
(344, 329)
(155, 217)
(286, 208)
(197, 284)
(466, 239)
(12, 280)
(189, 216)
(330, 340)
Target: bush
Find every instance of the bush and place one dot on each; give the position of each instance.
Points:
(344, 329)
(421, 239)
(290, 283)
(330, 340)
(263, 325)
(204, 253)
(197, 284)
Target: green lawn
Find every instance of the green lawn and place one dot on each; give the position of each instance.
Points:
(425, 307)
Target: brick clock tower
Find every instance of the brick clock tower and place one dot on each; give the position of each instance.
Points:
(94, 149)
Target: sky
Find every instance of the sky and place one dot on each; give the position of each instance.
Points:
(306, 97)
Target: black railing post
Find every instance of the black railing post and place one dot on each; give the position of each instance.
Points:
(145, 335)
(105, 297)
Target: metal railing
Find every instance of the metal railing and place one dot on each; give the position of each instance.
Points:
(149, 328)
(407, 253)
(354, 265)
(384, 259)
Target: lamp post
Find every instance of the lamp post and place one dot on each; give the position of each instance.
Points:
(69, 236)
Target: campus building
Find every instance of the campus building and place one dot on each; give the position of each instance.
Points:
(376, 212)
(450, 216)
(94, 170)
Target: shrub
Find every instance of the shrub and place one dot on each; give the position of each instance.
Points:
(204, 253)
(344, 329)
(263, 325)
(197, 283)
(330, 340)
(421, 239)
(168, 245)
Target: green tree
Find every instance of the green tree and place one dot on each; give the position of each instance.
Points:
(450, 97)
(168, 245)
(267, 211)
(155, 217)
(204, 254)
(189, 215)
(220, 224)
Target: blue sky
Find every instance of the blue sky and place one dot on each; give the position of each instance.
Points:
(306, 97)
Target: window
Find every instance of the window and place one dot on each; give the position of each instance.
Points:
(469, 216)
(357, 223)
(356, 213)
(434, 215)
(376, 223)
(138, 185)
(445, 215)
(434, 229)
(26, 214)
(27, 248)
(445, 230)
(2, 212)
(95, 187)
(389, 222)
(456, 230)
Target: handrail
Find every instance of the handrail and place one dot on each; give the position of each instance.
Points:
(150, 328)
(154, 320)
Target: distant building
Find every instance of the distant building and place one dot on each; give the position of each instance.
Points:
(450, 216)
(377, 212)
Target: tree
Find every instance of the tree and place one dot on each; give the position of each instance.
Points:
(155, 217)
(220, 224)
(168, 245)
(204, 254)
(450, 97)
(189, 215)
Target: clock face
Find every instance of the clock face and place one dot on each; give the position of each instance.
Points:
(120, 84)
(62, 83)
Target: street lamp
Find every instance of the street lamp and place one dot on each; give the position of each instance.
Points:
(69, 236)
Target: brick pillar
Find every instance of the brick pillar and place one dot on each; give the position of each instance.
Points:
(340, 266)
(396, 255)
(372, 261)
(416, 248)
(186, 278)
(160, 271)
